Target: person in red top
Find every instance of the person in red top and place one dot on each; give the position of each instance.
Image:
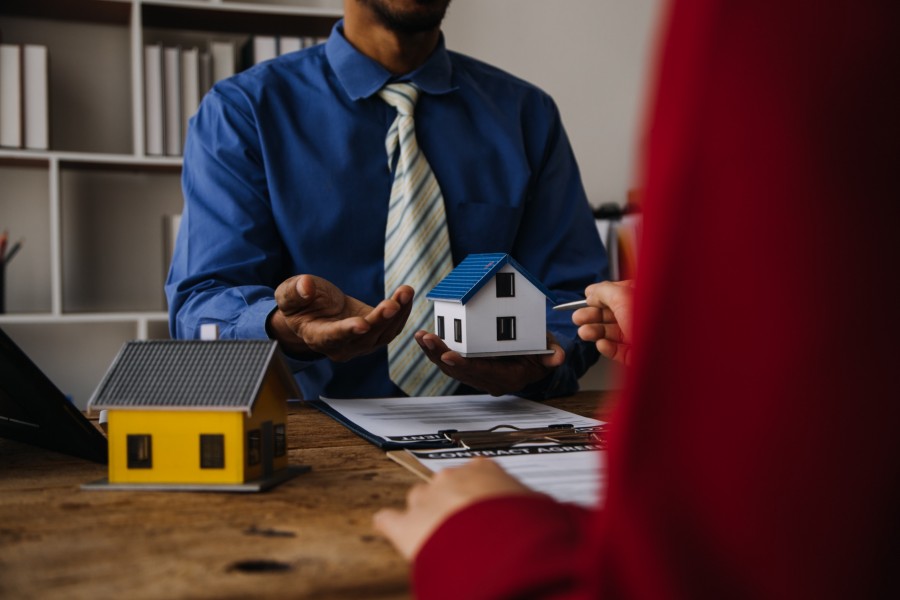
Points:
(756, 450)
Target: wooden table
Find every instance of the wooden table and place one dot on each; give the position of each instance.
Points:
(309, 537)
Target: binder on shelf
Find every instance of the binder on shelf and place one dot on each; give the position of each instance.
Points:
(172, 100)
(153, 100)
(11, 96)
(206, 72)
(259, 48)
(287, 44)
(36, 98)
(223, 64)
(190, 87)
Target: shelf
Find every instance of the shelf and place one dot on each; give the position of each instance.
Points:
(91, 160)
(94, 210)
(25, 209)
(75, 354)
(238, 18)
(171, 13)
(112, 229)
(82, 318)
(111, 12)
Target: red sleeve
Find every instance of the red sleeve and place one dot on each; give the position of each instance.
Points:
(479, 552)
(756, 449)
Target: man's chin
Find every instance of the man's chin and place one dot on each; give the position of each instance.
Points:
(427, 15)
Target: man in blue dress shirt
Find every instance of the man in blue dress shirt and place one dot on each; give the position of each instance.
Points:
(286, 197)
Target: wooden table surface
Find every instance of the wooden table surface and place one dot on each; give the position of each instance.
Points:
(310, 537)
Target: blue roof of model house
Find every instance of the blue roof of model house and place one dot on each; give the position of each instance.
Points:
(472, 273)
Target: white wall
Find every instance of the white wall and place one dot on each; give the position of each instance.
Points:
(593, 57)
(590, 55)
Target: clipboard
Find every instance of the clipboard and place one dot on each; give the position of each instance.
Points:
(551, 450)
(574, 473)
(378, 440)
(449, 421)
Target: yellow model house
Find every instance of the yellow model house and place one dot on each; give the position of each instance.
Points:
(197, 415)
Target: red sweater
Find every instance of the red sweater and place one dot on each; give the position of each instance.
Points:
(756, 451)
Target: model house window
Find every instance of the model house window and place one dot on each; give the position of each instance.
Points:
(212, 451)
(140, 451)
(506, 285)
(506, 328)
(280, 441)
(254, 447)
(457, 330)
(440, 327)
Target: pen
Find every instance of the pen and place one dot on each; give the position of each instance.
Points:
(571, 305)
(12, 252)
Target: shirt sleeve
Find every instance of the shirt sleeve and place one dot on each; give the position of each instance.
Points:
(473, 554)
(230, 282)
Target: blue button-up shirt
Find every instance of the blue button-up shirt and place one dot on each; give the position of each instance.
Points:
(286, 172)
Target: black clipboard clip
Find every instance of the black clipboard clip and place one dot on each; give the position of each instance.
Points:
(507, 436)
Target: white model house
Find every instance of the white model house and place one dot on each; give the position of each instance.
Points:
(489, 305)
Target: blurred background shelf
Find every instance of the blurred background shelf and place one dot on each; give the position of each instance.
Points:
(93, 210)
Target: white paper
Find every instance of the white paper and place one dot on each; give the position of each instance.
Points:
(415, 419)
(574, 473)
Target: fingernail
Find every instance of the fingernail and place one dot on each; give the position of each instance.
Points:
(428, 343)
(448, 362)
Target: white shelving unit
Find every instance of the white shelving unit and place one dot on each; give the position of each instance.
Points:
(91, 210)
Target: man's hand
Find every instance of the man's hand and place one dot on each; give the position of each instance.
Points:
(607, 319)
(429, 504)
(495, 375)
(314, 317)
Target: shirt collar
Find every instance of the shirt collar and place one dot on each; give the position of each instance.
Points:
(362, 77)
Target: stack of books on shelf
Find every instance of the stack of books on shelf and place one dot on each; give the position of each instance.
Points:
(260, 48)
(24, 97)
(175, 79)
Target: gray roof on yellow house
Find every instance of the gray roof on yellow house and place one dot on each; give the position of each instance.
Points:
(190, 375)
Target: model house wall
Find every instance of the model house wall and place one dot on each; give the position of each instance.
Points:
(197, 413)
(479, 319)
(176, 447)
(474, 318)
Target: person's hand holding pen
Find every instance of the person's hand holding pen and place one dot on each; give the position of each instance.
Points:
(606, 318)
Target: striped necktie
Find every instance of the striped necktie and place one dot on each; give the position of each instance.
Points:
(416, 245)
